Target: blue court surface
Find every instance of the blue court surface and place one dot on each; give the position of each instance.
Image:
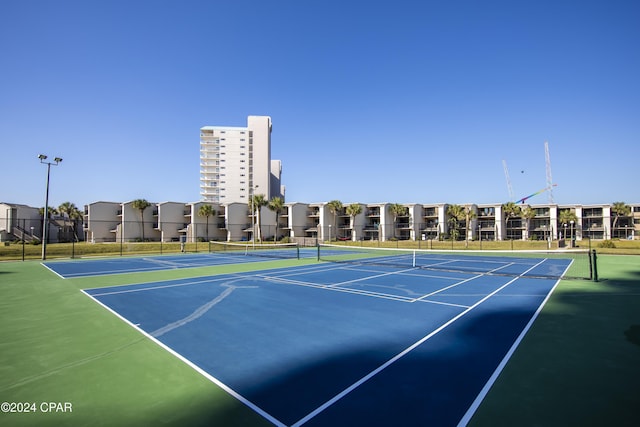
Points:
(341, 345)
(105, 266)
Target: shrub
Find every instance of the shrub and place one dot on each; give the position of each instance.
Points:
(607, 244)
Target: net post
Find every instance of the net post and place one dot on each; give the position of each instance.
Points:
(297, 251)
(413, 261)
(595, 266)
(318, 246)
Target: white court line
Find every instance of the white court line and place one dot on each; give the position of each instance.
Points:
(52, 270)
(141, 288)
(195, 367)
(202, 310)
(338, 287)
(335, 289)
(459, 283)
(370, 277)
(483, 393)
(448, 287)
(397, 357)
(162, 262)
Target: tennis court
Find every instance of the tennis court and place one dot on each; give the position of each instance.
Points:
(347, 343)
(219, 254)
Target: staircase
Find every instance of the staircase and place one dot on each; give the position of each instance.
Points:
(24, 235)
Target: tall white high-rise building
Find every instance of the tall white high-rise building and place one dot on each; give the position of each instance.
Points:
(235, 162)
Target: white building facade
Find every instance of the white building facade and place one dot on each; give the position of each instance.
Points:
(235, 162)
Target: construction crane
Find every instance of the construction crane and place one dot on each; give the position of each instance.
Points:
(548, 188)
(506, 175)
(550, 183)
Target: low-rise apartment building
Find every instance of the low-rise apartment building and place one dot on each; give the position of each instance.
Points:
(177, 221)
(170, 221)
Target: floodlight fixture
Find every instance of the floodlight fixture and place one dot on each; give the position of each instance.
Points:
(45, 214)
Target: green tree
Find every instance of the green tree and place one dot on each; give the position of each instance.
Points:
(353, 210)
(510, 211)
(51, 211)
(206, 211)
(619, 209)
(396, 210)
(276, 204)
(141, 205)
(257, 202)
(335, 207)
(565, 218)
(528, 213)
(73, 214)
(469, 215)
(455, 214)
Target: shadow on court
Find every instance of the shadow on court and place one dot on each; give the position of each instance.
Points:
(580, 363)
(434, 384)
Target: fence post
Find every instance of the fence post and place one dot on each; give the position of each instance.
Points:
(23, 225)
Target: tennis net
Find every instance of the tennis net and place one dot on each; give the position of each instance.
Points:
(267, 250)
(568, 264)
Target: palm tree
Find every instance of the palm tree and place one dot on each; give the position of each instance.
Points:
(619, 209)
(511, 210)
(396, 210)
(456, 214)
(566, 217)
(257, 202)
(528, 213)
(206, 211)
(51, 211)
(335, 207)
(469, 215)
(276, 205)
(141, 205)
(73, 214)
(76, 217)
(353, 210)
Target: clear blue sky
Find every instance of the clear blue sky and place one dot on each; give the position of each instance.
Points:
(371, 101)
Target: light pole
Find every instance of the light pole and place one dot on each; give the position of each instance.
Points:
(45, 222)
(571, 233)
(253, 189)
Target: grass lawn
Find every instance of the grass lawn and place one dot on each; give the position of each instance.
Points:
(578, 365)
